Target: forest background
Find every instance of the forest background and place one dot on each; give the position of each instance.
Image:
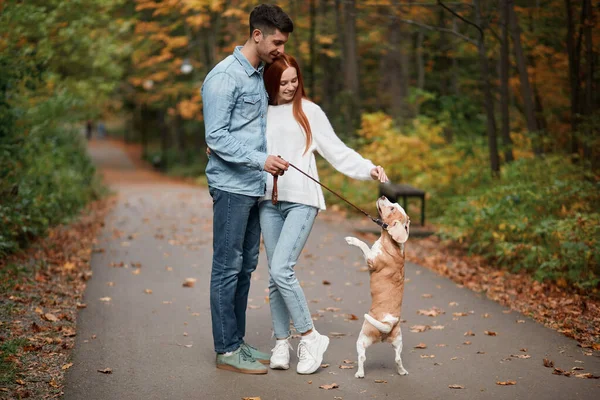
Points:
(490, 106)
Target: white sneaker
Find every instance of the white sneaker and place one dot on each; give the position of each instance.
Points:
(281, 355)
(310, 353)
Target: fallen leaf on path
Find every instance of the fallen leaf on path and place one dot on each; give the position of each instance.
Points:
(456, 386)
(438, 327)
(427, 356)
(323, 366)
(68, 266)
(351, 317)
(348, 362)
(68, 332)
(105, 371)
(332, 309)
(558, 371)
(325, 282)
(105, 299)
(148, 291)
(469, 333)
(330, 386)
(460, 314)
(337, 334)
(433, 312)
(426, 296)
(50, 317)
(421, 346)
(548, 363)
(520, 355)
(380, 381)
(453, 304)
(136, 271)
(419, 328)
(346, 366)
(189, 282)
(467, 343)
(251, 398)
(490, 333)
(506, 383)
(67, 366)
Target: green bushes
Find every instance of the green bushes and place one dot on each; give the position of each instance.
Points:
(543, 215)
(46, 176)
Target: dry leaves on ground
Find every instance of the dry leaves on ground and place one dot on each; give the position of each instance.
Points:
(329, 386)
(574, 314)
(53, 276)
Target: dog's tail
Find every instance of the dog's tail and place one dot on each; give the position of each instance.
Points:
(385, 326)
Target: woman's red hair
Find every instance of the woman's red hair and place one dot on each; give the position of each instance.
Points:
(272, 78)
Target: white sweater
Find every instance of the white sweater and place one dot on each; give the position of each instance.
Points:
(286, 138)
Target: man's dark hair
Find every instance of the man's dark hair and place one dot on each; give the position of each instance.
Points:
(268, 17)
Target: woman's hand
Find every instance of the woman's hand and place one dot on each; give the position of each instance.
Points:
(378, 173)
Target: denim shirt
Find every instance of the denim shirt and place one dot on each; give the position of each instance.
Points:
(235, 117)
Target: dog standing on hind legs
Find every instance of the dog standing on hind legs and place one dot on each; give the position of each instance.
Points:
(386, 269)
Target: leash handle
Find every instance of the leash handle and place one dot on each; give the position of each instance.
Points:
(274, 193)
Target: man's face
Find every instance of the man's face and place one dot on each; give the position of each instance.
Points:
(271, 46)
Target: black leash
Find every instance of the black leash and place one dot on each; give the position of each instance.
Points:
(274, 196)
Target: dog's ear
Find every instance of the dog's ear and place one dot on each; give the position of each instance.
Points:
(399, 231)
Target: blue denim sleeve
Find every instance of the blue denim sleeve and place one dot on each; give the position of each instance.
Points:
(218, 100)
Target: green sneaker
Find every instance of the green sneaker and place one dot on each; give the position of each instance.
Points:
(240, 361)
(258, 355)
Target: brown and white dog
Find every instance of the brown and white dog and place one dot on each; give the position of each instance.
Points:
(386, 268)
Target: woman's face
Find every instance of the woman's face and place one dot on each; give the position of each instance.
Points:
(287, 86)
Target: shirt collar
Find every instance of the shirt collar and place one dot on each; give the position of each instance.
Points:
(237, 53)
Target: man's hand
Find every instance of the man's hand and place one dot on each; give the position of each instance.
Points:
(276, 165)
(378, 173)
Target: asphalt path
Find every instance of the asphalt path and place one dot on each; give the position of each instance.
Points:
(154, 334)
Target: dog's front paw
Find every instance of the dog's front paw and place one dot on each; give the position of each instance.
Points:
(352, 241)
(359, 374)
(402, 371)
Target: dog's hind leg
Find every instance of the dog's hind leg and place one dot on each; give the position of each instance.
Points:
(362, 344)
(397, 344)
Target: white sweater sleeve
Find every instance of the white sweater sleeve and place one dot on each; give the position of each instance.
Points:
(343, 158)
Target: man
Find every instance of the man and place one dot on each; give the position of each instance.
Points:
(235, 113)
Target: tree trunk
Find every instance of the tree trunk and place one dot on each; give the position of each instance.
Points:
(504, 65)
(574, 80)
(488, 100)
(526, 92)
(329, 85)
(589, 78)
(394, 78)
(311, 44)
(351, 80)
(455, 67)
(420, 61)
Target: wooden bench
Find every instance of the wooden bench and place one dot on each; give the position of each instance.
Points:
(394, 191)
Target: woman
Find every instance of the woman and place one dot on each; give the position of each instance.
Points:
(296, 128)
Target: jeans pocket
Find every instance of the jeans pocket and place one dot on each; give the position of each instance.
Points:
(250, 106)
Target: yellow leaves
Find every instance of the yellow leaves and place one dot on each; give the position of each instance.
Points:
(236, 12)
(188, 109)
(142, 27)
(198, 21)
(149, 62)
(326, 39)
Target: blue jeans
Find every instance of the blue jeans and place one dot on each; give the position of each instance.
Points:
(236, 241)
(286, 227)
